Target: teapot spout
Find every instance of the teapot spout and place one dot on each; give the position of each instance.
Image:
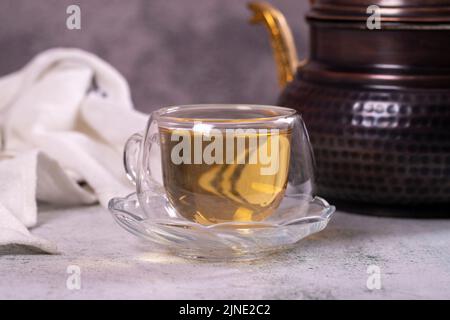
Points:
(281, 39)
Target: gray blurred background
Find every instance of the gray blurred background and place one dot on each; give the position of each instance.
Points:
(171, 51)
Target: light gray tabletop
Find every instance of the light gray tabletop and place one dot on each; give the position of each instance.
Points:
(412, 257)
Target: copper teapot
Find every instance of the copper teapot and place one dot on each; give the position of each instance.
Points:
(376, 101)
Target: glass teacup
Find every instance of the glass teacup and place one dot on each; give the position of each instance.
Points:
(221, 163)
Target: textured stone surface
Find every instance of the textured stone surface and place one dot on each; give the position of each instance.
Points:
(413, 255)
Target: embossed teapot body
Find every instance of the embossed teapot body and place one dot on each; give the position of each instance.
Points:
(376, 102)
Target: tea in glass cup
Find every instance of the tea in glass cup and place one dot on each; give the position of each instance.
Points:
(225, 175)
(221, 163)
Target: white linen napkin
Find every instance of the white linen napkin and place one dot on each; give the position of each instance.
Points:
(65, 117)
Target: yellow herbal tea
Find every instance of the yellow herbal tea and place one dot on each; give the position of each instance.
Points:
(225, 175)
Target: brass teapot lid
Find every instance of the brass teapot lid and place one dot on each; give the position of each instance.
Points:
(395, 11)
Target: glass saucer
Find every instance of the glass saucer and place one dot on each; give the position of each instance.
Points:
(297, 217)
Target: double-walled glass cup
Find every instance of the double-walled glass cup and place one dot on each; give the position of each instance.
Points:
(221, 163)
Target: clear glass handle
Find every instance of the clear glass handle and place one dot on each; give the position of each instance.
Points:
(131, 156)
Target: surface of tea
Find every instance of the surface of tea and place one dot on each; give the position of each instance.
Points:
(238, 176)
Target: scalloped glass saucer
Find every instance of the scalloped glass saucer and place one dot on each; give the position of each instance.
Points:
(297, 217)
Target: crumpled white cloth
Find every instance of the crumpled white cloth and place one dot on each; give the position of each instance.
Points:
(65, 117)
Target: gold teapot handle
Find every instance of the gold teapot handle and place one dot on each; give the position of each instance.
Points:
(281, 39)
